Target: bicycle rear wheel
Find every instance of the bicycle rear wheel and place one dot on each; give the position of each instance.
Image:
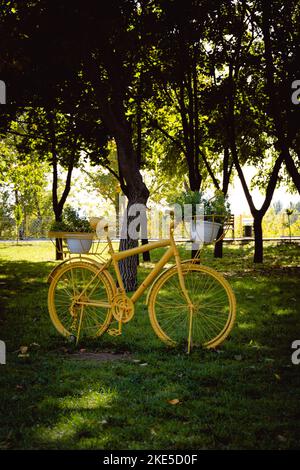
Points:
(214, 307)
(80, 299)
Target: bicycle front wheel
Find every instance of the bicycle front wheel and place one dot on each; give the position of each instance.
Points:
(214, 307)
(80, 299)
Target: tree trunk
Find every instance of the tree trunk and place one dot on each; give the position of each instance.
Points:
(257, 214)
(218, 251)
(128, 266)
(146, 254)
(58, 204)
(23, 230)
(144, 239)
(277, 112)
(227, 170)
(291, 168)
(58, 249)
(144, 235)
(195, 254)
(258, 243)
(137, 195)
(113, 115)
(58, 241)
(129, 239)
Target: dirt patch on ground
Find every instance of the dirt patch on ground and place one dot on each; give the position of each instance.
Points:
(100, 357)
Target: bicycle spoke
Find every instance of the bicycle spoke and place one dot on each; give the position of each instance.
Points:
(212, 308)
(73, 290)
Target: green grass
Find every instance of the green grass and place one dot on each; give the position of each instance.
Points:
(243, 396)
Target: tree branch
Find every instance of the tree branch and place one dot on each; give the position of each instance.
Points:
(175, 141)
(208, 167)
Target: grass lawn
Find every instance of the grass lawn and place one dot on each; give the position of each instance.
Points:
(245, 395)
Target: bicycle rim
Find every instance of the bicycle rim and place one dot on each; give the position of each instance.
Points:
(212, 297)
(67, 314)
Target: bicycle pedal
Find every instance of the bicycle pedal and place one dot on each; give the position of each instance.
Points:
(114, 332)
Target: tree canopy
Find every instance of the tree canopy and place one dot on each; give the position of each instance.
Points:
(194, 90)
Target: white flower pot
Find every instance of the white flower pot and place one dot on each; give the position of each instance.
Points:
(79, 245)
(204, 231)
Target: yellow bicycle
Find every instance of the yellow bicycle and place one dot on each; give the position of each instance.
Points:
(187, 302)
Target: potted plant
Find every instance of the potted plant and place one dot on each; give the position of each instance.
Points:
(76, 230)
(207, 215)
(216, 211)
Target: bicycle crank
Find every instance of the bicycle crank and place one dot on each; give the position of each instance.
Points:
(123, 308)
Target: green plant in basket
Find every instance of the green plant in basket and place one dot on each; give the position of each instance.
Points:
(76, 229)
(71, 222)
(215, 209)
(189, 198)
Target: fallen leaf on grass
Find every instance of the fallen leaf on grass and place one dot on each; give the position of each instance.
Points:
(144, 364)
(281, 438)
(23, 349)
(277, 376)
(175, 401)
(23, 355)
(238, 357)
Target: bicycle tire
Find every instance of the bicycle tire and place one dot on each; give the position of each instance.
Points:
(64, 293)
(214, 300)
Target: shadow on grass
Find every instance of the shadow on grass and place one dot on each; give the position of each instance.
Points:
(222, 404)
(243, 396)
(268, 308)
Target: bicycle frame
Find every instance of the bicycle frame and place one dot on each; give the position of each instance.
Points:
(117, 256)
(171, 252)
